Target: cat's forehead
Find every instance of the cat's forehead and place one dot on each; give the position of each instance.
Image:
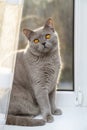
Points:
(41, 31)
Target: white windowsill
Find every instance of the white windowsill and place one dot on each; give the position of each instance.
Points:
(72, 119)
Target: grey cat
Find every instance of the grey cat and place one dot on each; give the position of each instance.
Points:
(37, 70)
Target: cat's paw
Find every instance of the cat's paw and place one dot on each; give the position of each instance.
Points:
(49, 118)
(57, 112)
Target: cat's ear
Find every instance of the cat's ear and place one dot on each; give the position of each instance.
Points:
(49, 24)
(27, 32)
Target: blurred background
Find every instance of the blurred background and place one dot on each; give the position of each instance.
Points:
(35, 13)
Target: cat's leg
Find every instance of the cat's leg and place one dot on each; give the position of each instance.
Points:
(44, 104)
(21, 102)
(54, 109)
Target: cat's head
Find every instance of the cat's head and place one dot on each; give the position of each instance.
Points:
(44, 39)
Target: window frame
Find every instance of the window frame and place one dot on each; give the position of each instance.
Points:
(81, 51)
(77, 97)
(66, 98)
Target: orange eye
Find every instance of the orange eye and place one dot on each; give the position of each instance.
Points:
(36, 41)
(47, 36)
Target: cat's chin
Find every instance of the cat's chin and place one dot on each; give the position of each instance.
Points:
(45, 50)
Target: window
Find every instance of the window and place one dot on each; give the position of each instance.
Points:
(79, 95)
(35, 14)
(81, 50)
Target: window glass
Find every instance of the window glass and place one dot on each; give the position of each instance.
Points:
(35, 14)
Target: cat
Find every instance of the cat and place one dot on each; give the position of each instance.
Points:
(37, 70)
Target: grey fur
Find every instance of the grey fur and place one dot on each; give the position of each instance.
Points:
(36, 72)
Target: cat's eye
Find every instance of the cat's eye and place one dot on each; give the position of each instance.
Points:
(47, 36)
(36, 41)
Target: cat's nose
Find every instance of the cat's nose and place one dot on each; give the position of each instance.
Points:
(43, 43)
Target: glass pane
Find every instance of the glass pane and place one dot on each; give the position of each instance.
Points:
(36, 12)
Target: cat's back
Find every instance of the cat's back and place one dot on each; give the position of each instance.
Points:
(20, 72)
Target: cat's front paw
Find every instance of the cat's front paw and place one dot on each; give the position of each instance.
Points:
(49, 118)
(57, 112)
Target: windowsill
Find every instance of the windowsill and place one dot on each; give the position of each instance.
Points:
(73, 118)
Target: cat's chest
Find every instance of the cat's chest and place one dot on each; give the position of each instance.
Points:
(45, 62)
(46, 67)
(44, 71)
(47, 70)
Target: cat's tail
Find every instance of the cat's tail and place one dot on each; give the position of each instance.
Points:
(24, 121)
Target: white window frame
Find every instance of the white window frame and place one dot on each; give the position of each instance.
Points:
(78, 97)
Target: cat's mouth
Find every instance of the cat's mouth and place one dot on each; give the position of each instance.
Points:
(45, 47)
